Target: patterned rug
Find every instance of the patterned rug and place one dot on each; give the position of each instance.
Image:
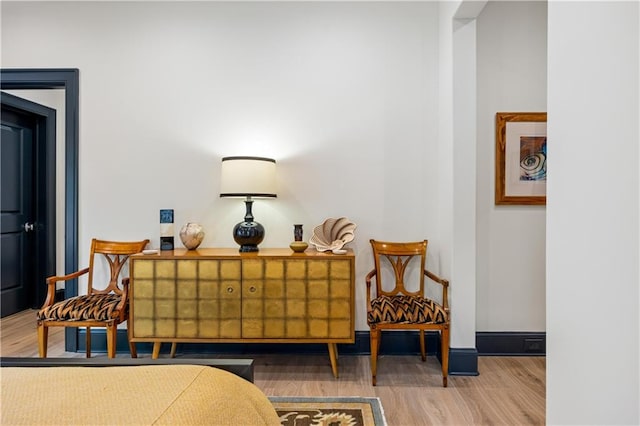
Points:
(321, 411)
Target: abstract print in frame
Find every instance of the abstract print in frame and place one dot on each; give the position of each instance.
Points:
(521, 158)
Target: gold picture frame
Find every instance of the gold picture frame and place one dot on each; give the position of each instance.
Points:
(521, 155)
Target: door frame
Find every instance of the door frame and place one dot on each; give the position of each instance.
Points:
(67, 79)
(44, 184)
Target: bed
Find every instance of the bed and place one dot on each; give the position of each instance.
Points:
(76, 391)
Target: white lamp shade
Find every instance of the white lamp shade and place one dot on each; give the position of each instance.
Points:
(248, 177)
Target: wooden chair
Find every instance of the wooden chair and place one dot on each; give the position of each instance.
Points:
(399, 308)
(100, 307)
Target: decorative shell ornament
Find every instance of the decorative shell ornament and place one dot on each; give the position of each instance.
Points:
(332, 234)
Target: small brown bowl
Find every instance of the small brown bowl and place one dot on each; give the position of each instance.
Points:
(298, 246)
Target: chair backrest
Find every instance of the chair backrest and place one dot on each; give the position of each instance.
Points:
(116, 254)
(399, 255)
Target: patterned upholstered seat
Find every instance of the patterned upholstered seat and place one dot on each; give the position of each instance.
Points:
(405, 310)
(395, 307)
(99, 307)
(102, 306)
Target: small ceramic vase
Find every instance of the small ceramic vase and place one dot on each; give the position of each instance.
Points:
(298, 245)
(191, 235)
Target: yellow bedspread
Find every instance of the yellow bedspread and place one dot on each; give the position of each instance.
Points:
(139, 395)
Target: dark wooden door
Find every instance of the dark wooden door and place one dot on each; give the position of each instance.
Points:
(25, 219)
(17, 244)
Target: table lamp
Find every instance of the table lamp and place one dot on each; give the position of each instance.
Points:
(248, 177)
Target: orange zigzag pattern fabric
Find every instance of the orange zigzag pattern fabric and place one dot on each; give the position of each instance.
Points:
(100, 307)
(405, 309)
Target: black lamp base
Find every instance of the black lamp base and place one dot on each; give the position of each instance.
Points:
(248, 235)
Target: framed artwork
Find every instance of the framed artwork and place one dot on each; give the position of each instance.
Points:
(521, 158)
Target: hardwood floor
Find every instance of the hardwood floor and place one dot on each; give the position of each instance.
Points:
(508, 391)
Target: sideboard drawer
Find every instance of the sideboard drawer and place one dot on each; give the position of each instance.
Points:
(198, 299)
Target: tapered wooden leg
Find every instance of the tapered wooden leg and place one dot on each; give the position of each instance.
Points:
(87, 342)
(445, 355)
(174, 346)
(375, 345)
(112, 331)
(333, 356)
(422, 346)
(156, 350)
(43, 339)
(132, 345)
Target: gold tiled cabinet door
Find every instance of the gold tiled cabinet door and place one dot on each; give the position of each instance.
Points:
(296, 299)
(199, 298)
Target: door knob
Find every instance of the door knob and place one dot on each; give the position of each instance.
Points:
(28, 227)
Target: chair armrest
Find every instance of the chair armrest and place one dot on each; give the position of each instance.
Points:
(51, 285)
(436, 278)
(368, 278)
(120, 309)
(445, 288)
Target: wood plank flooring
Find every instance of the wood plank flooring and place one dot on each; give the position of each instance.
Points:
(508, 391)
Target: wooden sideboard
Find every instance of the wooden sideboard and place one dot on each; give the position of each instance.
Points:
(220, 295)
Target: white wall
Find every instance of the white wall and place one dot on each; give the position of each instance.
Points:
(343, 95)
(593, 220)
(511, 72)
(498, 281)
(463, 213)
(445, 154)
